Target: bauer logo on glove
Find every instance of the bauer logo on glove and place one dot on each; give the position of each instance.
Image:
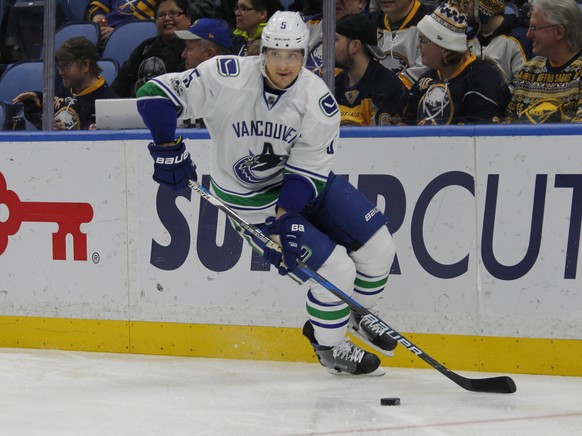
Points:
(173, 160)
(172, 165)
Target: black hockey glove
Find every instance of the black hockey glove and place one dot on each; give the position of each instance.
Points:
(172, 165)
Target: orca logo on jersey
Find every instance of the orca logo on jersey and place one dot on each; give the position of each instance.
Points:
(228, 67)
(328, 105)
(247, 169)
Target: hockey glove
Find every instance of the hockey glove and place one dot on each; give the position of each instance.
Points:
(172, 165)
(274, 257)
(291, 228)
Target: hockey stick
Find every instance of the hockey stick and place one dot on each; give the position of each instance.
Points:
(501, 385)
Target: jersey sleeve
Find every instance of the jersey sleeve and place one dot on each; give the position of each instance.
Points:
(312, 154)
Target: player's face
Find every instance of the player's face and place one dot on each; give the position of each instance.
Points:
(396, 9)
(283, 66)
(196, 52)
(166, 24)
(73, 73)
(542, 33)
(348, 7)
(343, 54)
(430, 53)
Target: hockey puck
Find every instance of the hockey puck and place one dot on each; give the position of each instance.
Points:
(393, 401)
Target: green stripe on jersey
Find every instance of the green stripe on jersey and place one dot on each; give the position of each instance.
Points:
(150, 89)
(257, 200)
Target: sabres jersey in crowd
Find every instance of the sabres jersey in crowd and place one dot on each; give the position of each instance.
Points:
(507, 48)
(400, 43)
(77, 111)
(119, 11)
(258, 133)
(548, 94)
(314, 61)
(475, 94)
(378, 98)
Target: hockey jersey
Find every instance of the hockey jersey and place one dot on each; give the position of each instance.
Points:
(120, 11)
(401, 44)
(258, 135)
(475, 94)
(547, 94)
(507, 48)
(378, 99)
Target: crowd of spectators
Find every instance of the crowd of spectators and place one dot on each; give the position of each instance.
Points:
(398, 62)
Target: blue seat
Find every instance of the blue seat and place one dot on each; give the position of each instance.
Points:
(110, 69)
(2, 115)
(511, 9)
(75, 10)
(126, 37)
(26, 75)
(76, 28)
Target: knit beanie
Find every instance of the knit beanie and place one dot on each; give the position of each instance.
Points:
(491, 7)
(447, 26)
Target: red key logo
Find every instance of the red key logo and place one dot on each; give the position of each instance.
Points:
(68, 216)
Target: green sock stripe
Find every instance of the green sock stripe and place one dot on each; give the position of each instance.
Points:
(331, 315)
(366, 284)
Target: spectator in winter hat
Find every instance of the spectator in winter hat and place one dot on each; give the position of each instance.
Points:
(499, 39)
(458, 88)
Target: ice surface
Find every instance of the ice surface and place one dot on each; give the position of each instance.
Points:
(47, 393)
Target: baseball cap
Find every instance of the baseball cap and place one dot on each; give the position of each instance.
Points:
(210, 29)
(360, 27)
(77, 48)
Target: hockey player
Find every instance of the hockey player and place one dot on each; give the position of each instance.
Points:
(275, 127)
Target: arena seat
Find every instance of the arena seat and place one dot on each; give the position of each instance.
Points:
(76, 28)
(126, 37)
(26, 75)
(110, 69)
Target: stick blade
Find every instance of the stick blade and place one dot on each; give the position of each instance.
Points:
(495, 385)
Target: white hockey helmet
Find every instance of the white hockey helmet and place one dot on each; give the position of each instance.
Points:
(287, 30)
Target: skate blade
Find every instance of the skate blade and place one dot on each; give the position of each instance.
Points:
(378, 372)
(363, 338)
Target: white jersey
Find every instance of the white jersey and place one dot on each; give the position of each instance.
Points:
(257, 135)
(504, 52)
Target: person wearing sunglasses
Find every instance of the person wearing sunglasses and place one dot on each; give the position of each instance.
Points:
(458, 88)
(548, 88)
(251, 17)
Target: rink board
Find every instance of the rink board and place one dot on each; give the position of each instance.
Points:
(486, 223)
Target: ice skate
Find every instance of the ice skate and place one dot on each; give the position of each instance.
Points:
(345, 358)
(368, 329)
